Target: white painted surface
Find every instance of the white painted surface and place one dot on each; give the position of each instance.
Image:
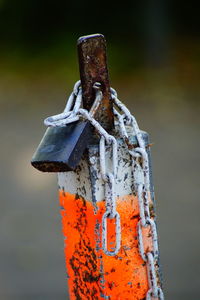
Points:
(87, 181)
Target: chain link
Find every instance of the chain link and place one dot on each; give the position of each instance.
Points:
(160, 294)
(143, 192)
(108, 144)
(110, 196)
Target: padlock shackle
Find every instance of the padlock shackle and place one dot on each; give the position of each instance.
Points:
(93, 68)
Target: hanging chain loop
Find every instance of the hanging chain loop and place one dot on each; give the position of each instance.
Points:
(140, 157)
(110, 196)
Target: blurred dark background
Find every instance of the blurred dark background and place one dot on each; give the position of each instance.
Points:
(154, 63)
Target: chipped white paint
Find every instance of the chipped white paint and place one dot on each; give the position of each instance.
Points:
(87, 181)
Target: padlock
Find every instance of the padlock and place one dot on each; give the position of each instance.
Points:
(62, 147)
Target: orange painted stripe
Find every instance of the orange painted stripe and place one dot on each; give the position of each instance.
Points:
(92, 274)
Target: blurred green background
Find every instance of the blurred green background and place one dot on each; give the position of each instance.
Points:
(154, 63)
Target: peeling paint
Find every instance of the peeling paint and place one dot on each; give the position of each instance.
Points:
(92, 274)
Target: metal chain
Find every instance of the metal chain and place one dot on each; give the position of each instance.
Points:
(143, 192)
(74, 112)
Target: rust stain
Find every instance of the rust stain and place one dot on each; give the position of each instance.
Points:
(92, 274)
(93, 68)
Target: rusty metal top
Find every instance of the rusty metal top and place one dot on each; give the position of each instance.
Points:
(93, 68)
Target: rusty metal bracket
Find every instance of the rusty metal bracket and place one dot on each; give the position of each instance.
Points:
(93, 68)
